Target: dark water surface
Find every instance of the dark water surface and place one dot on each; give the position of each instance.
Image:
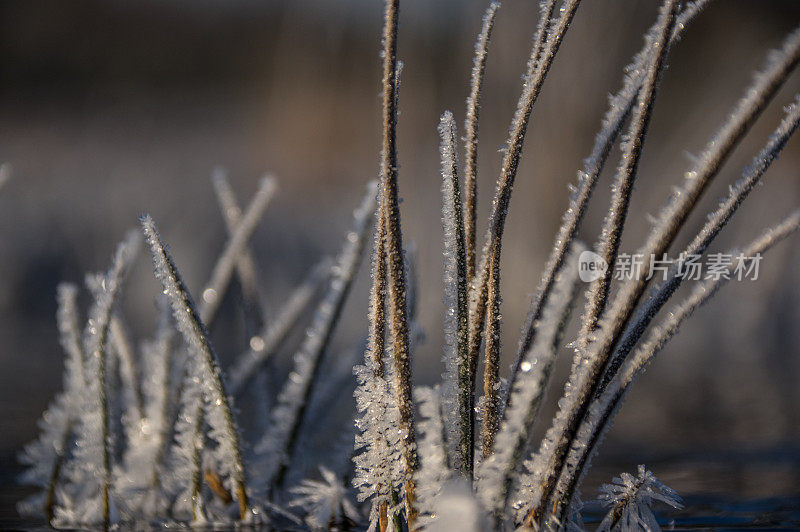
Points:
(753, 490)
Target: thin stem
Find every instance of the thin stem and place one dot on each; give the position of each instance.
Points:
(558, 449)
(163, 346)
(69, 337)
(198, 510)
(223, 269)
(539, 64)
(491, 374)
(394, 252)
(246, 265)
(377, 334)
(121, 344)
(195, 334)
(614, 222)
(377, 295)
(456, 321)
(602, 413)
(498, 470)
(619, 108)
(471, 135)
(55, 474)
(96, 336)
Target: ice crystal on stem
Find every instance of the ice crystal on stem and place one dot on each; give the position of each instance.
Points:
(630, 501)
(87, 497)
(434, 470)
(326, 503)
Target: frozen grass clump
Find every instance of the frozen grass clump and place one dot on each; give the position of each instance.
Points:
(450, 456)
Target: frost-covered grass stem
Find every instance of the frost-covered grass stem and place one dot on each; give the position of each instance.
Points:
(471, 135)
(128, 369)
(622, 187)
(458, 385)
(246, 265)
(485, 291)
(237, 244)
(70, 340)
(620, 106)
(377, 329)
(555, 446)
(394, 253)
(194, 332)
(607, 404)
(497, 473)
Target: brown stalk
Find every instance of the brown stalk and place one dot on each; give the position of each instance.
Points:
(377, 321)
(542, 55)
(214, 481)
(471, 136)
(610, 243)
(394, 253)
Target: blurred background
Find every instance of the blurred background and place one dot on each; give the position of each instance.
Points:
(112, 108)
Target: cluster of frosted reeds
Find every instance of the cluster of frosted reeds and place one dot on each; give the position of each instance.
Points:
(486, 443)
(165, 444)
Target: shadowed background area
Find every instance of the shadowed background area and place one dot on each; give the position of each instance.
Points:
(109, 109)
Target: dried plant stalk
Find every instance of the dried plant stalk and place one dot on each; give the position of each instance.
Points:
(485, 305)
(497, 472)
(377, 323)
(377, 295)
(622, 187)
(605, 407)
(471, 135)
(223, 269)
(619, 109)
(556, 444)
(458, 385)
(394, 255)
(194, 332)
